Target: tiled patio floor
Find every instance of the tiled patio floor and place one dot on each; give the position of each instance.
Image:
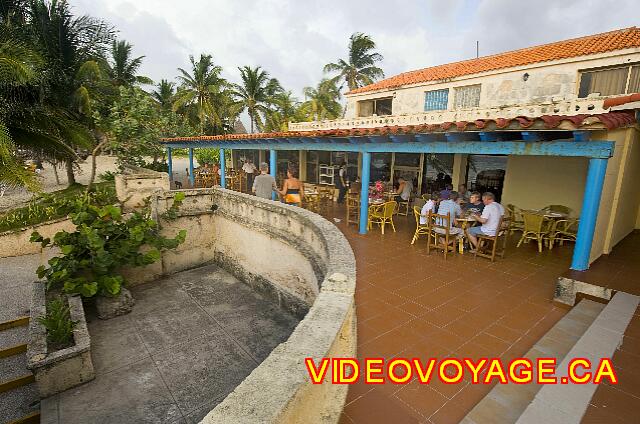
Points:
(411, 304)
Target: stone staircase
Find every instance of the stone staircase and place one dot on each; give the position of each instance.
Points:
(592, 330)
(19, 400)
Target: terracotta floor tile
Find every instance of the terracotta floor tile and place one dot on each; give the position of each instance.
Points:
(375, 407)
(443, 315)
(421, 399)
(619, 403)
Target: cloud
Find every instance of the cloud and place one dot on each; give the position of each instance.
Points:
(294, 39)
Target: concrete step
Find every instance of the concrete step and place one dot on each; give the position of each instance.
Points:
(505, 403)
(19, 403)
(567, 403)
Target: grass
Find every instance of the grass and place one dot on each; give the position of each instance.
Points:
(54, 205)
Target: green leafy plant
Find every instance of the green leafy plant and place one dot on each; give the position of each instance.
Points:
(58, 323)
(102, 244)
(172, 212)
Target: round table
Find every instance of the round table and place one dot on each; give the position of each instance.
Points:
(464, 223)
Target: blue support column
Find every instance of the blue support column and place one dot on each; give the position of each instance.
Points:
(192, 177)
(169, 165)
(364, 192)
(588, 216)
(273, 167)
(223, 177)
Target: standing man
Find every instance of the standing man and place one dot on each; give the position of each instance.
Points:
(342, 182)
(264, 184)
(490, 219)
(249, 168)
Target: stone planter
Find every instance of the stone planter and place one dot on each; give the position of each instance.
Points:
(63, 369)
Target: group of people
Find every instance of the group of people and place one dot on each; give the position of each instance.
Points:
(483, 208)
(264, 185)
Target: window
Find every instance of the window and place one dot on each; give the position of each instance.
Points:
(436, 100)
(376, 106)
(611, 81)
(467, 96)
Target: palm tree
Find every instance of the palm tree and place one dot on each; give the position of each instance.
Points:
(123, 69)
(284, 109)
(360, 68)
(256, 93)
(322, 102)
(164, 93)
(200, 90)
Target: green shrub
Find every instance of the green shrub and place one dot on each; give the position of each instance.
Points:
(58, 323)
(102, 243)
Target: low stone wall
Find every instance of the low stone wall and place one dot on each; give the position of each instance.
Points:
(16, 243)
(135, 184)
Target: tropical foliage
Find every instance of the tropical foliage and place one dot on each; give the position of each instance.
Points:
(359, 69)
(68, 86)
(57, 321)
(102, 243)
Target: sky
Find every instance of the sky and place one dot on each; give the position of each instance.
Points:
(294, 39)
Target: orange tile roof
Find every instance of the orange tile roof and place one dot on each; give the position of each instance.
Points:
(583, 46)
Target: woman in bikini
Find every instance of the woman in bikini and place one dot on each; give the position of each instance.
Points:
(292, 189)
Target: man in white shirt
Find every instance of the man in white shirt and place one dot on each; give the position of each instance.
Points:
(249, 168)
(490, 219)
(429, 206)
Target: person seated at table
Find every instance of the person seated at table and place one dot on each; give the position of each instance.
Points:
(464, 193)
(292, 189)
(429, 206)
(446, 192)
(450, 207)
(490, 219)
(475, 205)
(404, 190)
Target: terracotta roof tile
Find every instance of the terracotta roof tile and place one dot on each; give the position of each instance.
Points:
(610, 120)
(583, 46)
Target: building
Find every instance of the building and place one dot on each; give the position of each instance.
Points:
(533, 125)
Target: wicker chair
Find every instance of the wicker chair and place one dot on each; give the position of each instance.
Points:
(563, 230)
(421, 229)
(516, 222)
(535, 228)
(353, 208)
(382, 215)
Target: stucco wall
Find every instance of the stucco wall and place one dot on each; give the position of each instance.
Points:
(533, 182)
(547, 82)
(16, 243)
(136, 184)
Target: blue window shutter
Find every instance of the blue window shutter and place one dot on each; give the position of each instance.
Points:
(436, 100)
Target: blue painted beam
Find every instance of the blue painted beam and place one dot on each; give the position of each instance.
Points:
(570, 147)
(273, 167)
(364, 191)
(589, 215)
(488, 136)
(531, 136)
(582, 135)
(192, 177)
(170, 164)
(223, 173)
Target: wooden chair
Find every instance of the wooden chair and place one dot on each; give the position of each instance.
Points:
(310, 202)
(199, 180)
(382, 214)
(440, 236)
(353, 208)
(534, 229)
(504, 226)
(421, 229)
(516, 219)
(325, 194)
(563, 230)
(404, 204)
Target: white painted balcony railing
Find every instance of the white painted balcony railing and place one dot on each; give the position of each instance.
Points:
(568, 108)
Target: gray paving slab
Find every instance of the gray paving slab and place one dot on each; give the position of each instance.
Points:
(17, 403)
(203, 369)
(131, 394)
(115, 343)
(173, 359)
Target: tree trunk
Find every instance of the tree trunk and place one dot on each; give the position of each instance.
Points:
(71, 178)
(94, 153)
(55, 172)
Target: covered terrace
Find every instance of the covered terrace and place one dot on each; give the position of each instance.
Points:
(545, 136)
